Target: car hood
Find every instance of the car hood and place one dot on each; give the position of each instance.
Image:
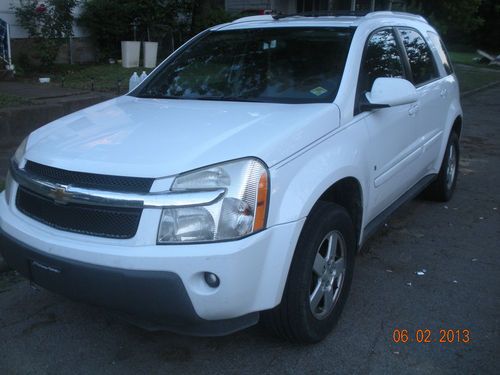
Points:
(161, 137)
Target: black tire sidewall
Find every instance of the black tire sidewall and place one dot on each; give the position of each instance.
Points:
(448, 192)
(324, 218)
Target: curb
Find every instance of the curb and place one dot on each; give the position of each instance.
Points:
(476, 90)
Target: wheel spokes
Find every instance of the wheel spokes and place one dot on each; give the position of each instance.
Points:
(339, 266)
(329, 298)
(319, 265)
(333, 239)
(316, 296)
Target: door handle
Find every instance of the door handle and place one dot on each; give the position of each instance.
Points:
(413, 110)
(444, 93)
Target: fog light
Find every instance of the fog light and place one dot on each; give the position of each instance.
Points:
(212, 279)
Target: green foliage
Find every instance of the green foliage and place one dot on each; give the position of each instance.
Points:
(110, 21)
(453, 18)
(207, 13)
(48, 23)
(488, 36)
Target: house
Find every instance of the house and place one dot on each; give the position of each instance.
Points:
(78, 50)
(300, 6)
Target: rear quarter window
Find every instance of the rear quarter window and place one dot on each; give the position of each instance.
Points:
(442, 52)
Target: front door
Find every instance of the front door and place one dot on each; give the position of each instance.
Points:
(392, 150)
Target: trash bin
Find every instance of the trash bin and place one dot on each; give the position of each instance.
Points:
(150, 54)
(130, 54)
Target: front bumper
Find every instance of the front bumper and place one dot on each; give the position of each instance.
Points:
(153, 298)
(162, 284)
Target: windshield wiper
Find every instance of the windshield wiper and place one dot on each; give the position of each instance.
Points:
(157, 96)
(225, 99)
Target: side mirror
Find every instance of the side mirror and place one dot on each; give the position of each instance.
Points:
(389, 92)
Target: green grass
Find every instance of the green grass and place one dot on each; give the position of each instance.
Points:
(103, 77)
(12, 100)
(472, 75)
(114, 78)
(466, 58)
(470, 78)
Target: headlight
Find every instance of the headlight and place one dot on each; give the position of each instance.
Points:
(18, 157)
(241, 212)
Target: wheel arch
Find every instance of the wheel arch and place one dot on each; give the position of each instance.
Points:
(347, 193)
(457, 126)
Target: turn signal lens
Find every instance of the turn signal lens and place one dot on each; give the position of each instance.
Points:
(261, 209)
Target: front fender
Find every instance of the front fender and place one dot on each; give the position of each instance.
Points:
(298, 183)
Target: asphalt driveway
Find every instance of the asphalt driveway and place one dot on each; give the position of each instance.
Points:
(454, 246)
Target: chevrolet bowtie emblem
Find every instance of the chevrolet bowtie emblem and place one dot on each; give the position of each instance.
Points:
(60, 194)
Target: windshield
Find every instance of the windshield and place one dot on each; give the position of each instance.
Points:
(284, 65)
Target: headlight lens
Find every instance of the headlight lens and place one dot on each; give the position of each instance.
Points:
(18, 157)
(21, 150)
(241, 212)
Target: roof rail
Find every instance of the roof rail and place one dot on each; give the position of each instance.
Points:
(406, 15)
(321, 13)
(341, 13)
(263, 17)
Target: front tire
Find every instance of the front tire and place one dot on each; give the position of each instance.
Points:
(319, 278)
(442, 188)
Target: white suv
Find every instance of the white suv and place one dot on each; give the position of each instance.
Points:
(241, 177)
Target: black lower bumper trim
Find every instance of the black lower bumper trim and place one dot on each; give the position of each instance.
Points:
(152, 299)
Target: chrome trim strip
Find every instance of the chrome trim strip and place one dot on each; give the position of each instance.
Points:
(73, 194)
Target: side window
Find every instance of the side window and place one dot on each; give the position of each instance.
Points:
(441, 50)
(421, 60)
(382, 58)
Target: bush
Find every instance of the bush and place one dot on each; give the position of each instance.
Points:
(110, 21)
(49, 22)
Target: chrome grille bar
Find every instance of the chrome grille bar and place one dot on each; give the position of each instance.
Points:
(64, 194)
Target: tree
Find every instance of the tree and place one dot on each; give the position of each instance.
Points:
(49, 23)
(488, 36)
(453, 18)
(110, 21)
(206, 13)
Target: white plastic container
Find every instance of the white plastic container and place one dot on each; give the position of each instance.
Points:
(150, 54)
(130, 54)
(143, 76)
(133, 81)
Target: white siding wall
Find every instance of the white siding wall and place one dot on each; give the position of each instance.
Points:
(284, 6)
(16, 31)
(239, 5)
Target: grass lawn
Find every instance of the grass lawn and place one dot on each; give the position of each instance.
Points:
(466, 58)
(11, 100)
(114, 78)
(472, 78)
(105, 77)
(472, 75)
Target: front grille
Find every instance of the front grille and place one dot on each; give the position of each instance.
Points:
(90, 180)
(92, 220)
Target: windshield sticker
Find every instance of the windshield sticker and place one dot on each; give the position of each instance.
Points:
(318, 91)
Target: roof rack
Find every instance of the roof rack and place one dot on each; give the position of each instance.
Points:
(406, 15)
(341, 13)
(326, 13)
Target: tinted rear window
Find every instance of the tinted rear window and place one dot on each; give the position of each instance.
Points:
(287, 65)
(422, 63)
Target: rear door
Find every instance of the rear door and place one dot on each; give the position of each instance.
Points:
(431, 109)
